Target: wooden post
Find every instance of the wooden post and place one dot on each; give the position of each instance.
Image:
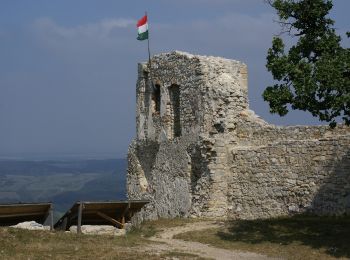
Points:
(123, 214)
(51, 217)
(64, 225)
(80, 213)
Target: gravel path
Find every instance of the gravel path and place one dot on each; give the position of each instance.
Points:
(166, 242)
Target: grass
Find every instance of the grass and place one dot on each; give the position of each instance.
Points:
(26, 244)
(301, 237)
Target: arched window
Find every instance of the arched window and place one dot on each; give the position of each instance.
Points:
(174, 93)
(156, 99)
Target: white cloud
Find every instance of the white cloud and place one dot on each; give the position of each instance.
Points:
(232, 33)
(86, 40)
(234, 30)
(102, 29)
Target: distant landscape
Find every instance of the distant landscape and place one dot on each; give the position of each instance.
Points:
(62, 182)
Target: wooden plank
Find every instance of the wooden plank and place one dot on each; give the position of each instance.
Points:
(23, 214)
(20, 209)
(108, 218)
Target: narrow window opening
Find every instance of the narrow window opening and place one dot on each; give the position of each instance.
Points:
(156, 99)
(174, 92)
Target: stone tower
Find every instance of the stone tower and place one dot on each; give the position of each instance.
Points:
(200, 151)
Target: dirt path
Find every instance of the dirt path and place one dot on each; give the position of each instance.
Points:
(168, 243)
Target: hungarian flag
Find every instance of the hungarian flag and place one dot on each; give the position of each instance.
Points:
(142, 29)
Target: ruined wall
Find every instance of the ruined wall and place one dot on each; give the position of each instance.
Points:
(168, 126)
(290, 177)
(159, 173)
(175, 76)
(200, 151)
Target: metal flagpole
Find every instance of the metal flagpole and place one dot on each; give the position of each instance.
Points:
(149, 55)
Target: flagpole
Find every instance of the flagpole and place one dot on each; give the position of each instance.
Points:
(149, 53)
(149, 56)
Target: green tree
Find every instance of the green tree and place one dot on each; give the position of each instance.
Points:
(314, 74)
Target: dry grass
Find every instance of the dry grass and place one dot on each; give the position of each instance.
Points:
(26, 244)
(302, 237)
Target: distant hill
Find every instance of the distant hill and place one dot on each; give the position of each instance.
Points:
(62, 182)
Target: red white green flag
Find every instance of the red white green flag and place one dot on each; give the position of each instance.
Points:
(142, 29)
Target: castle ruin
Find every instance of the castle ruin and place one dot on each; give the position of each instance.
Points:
(201, 152)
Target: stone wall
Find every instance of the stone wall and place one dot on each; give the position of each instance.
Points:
(200, 151)
(159, 172)
(290, 177)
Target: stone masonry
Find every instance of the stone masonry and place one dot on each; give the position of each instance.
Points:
(200, 151)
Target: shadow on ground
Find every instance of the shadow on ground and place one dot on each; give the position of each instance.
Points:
(329, 233)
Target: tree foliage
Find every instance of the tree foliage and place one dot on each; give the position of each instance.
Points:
(314, 74)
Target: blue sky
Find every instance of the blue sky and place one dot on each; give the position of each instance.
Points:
(68, 68)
